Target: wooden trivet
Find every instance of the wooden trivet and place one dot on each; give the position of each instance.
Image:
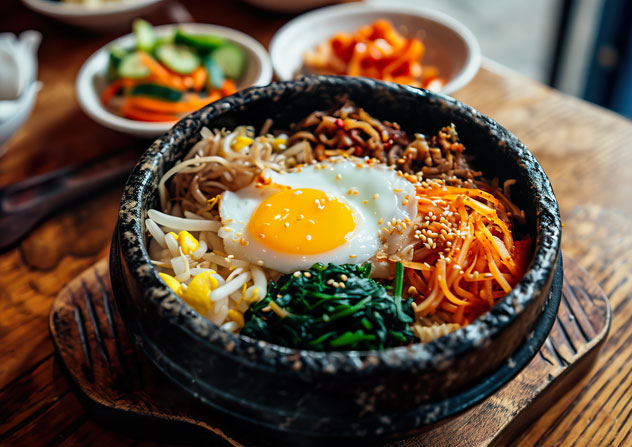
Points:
(128, 392)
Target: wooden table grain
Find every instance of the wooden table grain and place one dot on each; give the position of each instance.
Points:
(586, 151)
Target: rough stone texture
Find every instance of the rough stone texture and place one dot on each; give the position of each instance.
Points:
(341, 393)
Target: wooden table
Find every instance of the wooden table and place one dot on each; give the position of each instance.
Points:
(586, 151)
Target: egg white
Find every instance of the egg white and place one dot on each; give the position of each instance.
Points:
(375, 193)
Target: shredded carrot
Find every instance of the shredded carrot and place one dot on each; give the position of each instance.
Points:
(229, 87)
(188, 81)
(416, 265)
(468, 269)
(199, 78)
(192, 103)
(161, 73)
(130, 111)
(113, 88)
(377, 51)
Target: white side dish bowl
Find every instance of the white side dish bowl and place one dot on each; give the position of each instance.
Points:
(92, 77)
(103, 17)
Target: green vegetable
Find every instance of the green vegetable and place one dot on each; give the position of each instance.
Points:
(178, 58)
(132, 67)
(204, 43)
(117, 54)
(145, 35)
(397, 296)
(231, 59)
(362, 315)
(215, 77)
(156, 91)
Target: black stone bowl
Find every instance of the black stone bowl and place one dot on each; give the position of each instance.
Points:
(341, 395)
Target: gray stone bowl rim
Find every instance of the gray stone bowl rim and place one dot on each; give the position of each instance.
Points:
(437, 353)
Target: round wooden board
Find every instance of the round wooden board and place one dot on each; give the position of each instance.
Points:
(128, 393)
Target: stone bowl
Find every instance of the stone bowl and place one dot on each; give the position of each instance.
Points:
(307, 395)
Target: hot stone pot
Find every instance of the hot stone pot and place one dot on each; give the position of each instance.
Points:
(340, 395)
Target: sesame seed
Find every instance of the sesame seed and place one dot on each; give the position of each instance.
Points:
(364, 202)
(376, 196)
(344, 277)
(379, 222)
(286, 225)
(307, 275)
(296, 274)
(353, 256)
(338, 177)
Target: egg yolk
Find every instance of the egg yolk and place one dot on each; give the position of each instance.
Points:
(302, 221)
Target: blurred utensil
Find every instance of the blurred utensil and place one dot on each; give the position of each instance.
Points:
(24, 204)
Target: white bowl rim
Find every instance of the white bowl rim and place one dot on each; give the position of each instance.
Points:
(59, 9)
(90, 102)
(472, 64)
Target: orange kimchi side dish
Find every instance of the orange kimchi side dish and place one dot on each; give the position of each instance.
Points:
(376, 51)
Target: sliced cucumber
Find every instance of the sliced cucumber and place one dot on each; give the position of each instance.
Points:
(145, 35)
(231, 60)
(132, 67)
(117, 54)
(164, 40)
(178, 58)
(201, 42)
(156, 91)
(215, 77)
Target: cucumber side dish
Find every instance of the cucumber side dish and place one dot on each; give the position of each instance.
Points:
(163, 78)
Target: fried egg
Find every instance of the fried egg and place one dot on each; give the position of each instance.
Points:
(329, 212)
